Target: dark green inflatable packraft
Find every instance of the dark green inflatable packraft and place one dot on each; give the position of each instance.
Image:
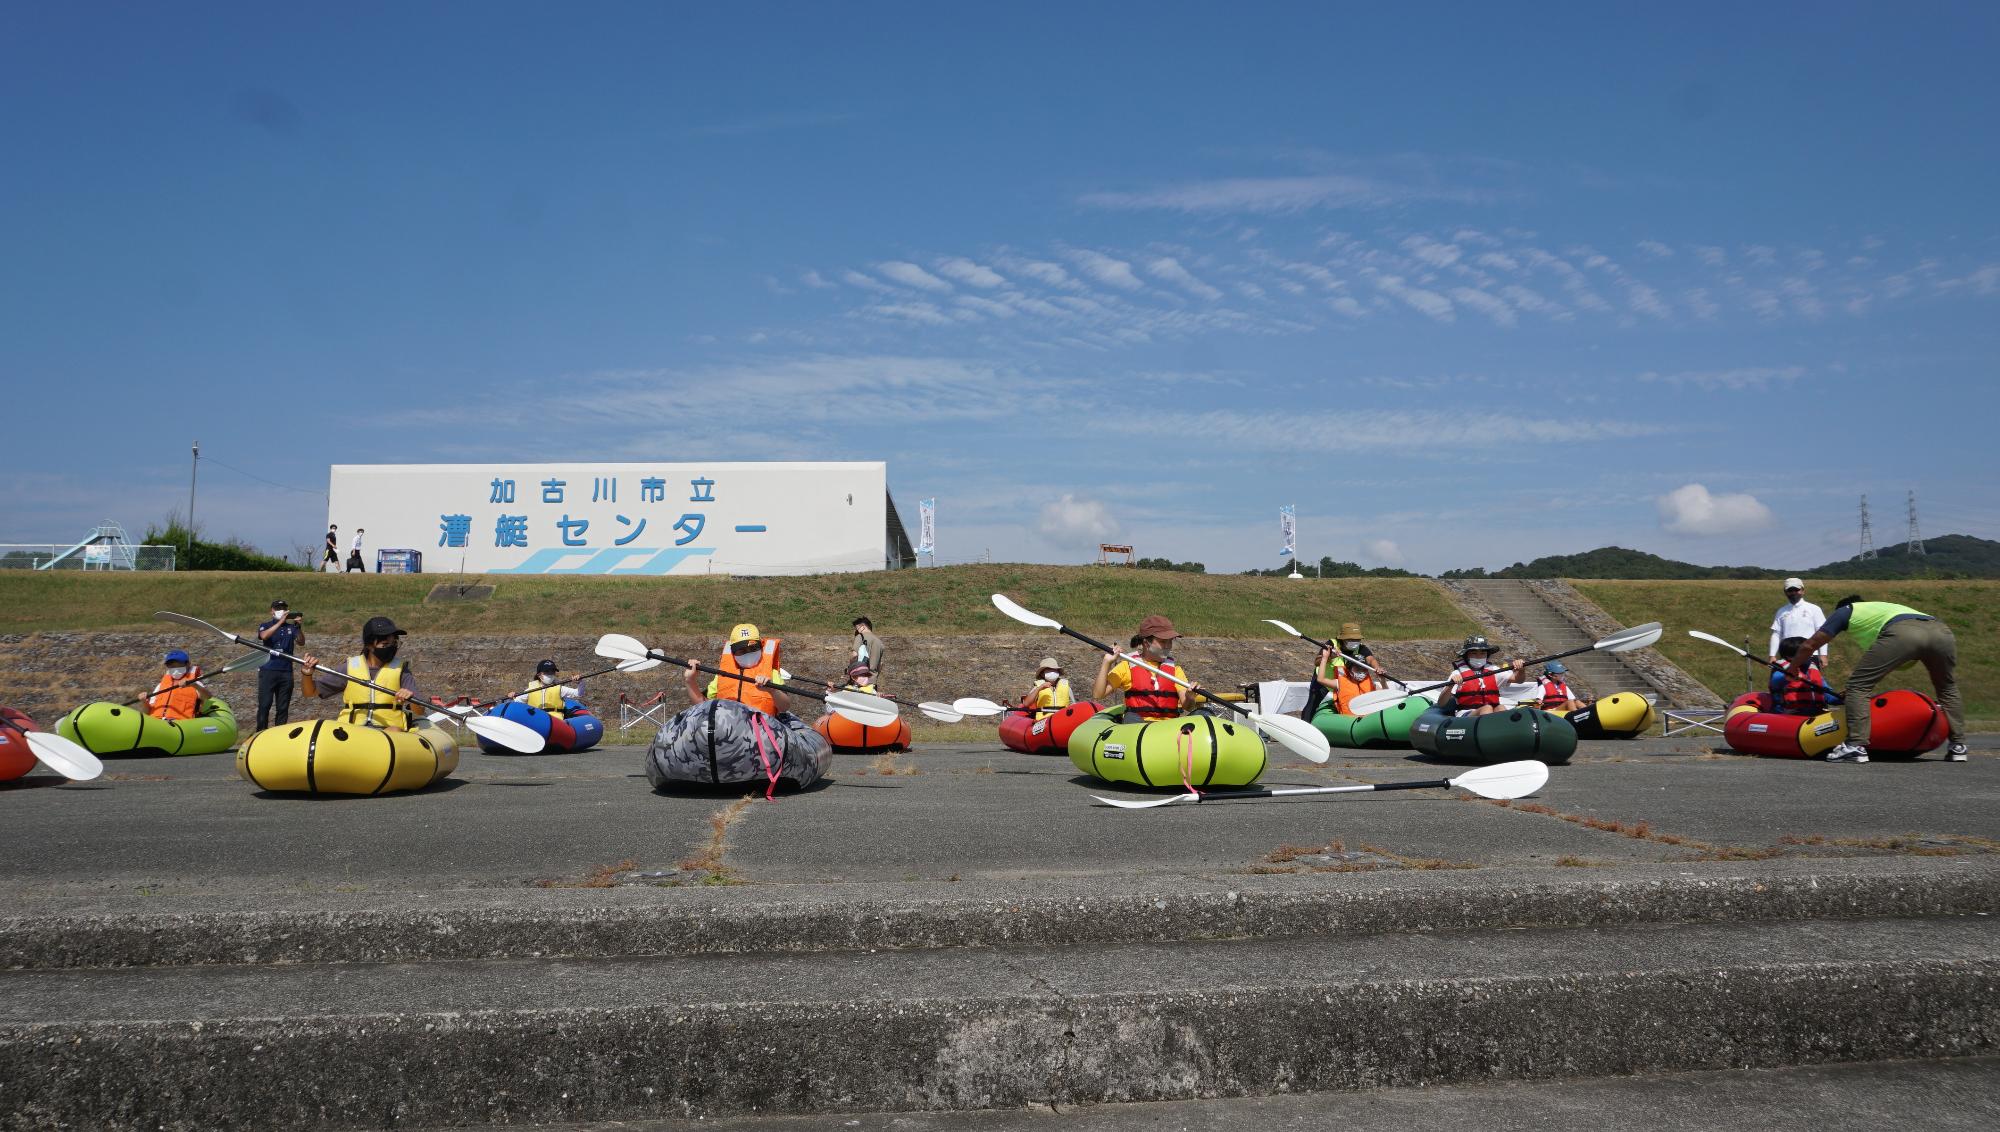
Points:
(1389, 727)
(1518, 733)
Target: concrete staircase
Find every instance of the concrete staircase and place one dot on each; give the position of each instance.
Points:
(1547, 631)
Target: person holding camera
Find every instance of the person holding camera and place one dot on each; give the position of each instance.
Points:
(286, 632)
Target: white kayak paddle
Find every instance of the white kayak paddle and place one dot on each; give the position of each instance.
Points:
(1775, 666)
(1293, 734)
(505, 732)
(1624, 640)
(64, 756)
(974, 705)
(867, 710)
(1504, 780)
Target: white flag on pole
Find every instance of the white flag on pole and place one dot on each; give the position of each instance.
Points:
(1288, 529)
(927, 527)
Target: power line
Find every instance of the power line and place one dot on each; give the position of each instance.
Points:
(261, 479)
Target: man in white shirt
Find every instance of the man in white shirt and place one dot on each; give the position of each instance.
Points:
(1796, 618)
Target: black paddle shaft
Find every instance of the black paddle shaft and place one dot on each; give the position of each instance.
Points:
(1100, 646)
(700, 667)
(1779, 666)
(1231, 795)
(1524, 664)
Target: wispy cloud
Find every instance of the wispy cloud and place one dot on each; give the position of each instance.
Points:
(1656, 249)
(910, 275)
(1170, 269)
(1105, 269)
(970, 273)
(1742, 378)
(1391, 429)
(1291, 194)
(1429, 302)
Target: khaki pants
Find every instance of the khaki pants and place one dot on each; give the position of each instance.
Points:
(1906, 642)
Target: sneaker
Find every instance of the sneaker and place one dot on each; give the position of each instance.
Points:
(1847, 753)
(1955, 753)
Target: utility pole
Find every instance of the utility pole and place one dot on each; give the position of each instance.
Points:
(1867, 531)
(194, 473)
(1916, 540)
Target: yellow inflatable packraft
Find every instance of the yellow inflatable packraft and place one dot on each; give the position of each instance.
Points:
(331, 757)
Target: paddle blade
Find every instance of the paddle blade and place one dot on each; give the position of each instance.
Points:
(1505, 780)
(1008, 606)
(1368, 703)
(867, 710)
(1697, 634)
(1148, 804)
(943, 713)
(619, 647)
(243, 662)
(64, 756)
(509, 734)
(636, 665)
(198, 623)
(1294, 735)
(1287, 629)
(973, 705)
(1625, 640)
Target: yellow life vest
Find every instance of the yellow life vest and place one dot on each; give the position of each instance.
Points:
(371, 708)
(1048, 699)
(548, 697)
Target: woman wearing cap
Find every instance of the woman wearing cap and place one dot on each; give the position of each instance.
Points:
(1147, 696)
(1476, 682)
(1051, 690)
(547, 692)
(860, 678)
(360, 704)
(1556, 692)
(748, 655)
(180, 693)
(1796, 618)
(1343, 680)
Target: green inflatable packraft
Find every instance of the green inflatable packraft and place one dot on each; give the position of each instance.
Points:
(1207, 750)
(1518, 733)
(1389, 727)
(115, 729)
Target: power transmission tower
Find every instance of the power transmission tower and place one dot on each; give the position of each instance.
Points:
(1916, 540)
(1867, 531)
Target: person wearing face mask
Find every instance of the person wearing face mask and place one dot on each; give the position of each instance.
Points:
(1557, 695)
(361, 705)
(547, 691)
(285, 631)
(749, 653)
(1476, 682)
(1340, 679)
(1796, 618)
(1147, 696)
(1051, 690)
(180, 693)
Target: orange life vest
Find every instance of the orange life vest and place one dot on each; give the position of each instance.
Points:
(1150, 696)
(183, 702)
(1555, 693)
(744, 691)
(1476, 688)
(1349, 687)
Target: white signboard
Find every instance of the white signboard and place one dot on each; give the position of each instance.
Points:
(658, 518)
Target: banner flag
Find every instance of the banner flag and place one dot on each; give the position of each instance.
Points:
(927, 527)
(1288, 529)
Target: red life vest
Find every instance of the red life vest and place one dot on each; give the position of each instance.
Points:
(1555, 693)
(1153, 697)
(1803, 695)
(1476, 689)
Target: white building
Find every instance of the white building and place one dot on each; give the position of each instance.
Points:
(647, 518)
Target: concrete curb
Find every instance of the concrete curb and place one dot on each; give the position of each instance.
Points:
(639, 920)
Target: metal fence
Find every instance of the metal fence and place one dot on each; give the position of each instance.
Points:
(36, 556)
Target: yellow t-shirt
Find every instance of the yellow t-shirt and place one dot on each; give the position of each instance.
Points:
(1120, 676)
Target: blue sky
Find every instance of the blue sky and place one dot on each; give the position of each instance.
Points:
(1466, 284)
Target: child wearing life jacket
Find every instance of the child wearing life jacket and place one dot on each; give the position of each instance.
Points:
(1342, 679)
(1476, 682)
(860, 678)
(1147, 696)
(749, 653)
(1051, 690)
(180, 693)
(548, 692)
(1804, 694)
(1556, 693)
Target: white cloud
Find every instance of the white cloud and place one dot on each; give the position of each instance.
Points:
(988, 306)
(1074, 523)
(1692, 510)
(1356, 429)
(1698, 301)
(856, 279)
(1382, 551)
(1429, 302)
(1761, 255)
(970, 273)
(1248, 289)
(1346, 305)
(1644, 299)
(1656, 249)
(1287, 194)
(925, 313)
(1431, 251)
(1499, 261)
(816, 281)
(1170, 269)
(1805, 300)
(1045, 272)
(1528, 300)
(1711, 255)
(1744, 377)
(1106, 270)
(1495, 309)
(910, 275)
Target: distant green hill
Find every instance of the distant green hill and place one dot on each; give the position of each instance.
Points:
(1947, 556)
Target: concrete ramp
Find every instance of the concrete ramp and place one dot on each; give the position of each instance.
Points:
(1545, 617)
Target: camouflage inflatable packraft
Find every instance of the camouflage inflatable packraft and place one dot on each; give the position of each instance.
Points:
(724, 743)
